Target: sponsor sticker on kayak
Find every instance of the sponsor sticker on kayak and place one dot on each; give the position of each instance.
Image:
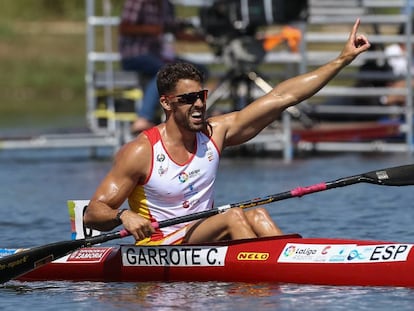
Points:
(344, 253)
(92, 254)
(86, 255)
(253, 256)
(173, 256)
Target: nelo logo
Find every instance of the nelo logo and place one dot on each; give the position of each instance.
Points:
(252, 256)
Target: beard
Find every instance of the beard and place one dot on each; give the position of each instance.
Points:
(190, 123)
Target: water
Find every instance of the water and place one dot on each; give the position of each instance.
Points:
(35, 187)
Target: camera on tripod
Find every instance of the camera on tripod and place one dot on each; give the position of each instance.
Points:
(231, 26)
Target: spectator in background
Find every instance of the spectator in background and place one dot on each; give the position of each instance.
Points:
(397, 59)
(389, 72)
(147, 32)
(371, 73)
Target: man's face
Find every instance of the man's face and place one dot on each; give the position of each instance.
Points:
(188, 104)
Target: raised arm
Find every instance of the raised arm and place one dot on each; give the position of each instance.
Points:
(241, 126)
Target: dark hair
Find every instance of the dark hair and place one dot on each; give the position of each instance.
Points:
(170, 74)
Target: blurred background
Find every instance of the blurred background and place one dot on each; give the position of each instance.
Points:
(42, 59)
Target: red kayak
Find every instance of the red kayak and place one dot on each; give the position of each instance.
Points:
(284, 259)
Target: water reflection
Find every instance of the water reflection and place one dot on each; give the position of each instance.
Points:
(193, 295)
(212, 295)
(157, 296)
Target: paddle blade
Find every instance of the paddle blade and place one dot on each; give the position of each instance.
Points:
(394, 176)
(27, 260)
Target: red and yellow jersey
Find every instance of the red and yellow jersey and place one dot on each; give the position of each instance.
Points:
(171, 189)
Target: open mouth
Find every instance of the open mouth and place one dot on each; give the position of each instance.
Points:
(197, 116)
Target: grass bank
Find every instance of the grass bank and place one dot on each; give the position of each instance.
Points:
(43, 67)
(42, 61)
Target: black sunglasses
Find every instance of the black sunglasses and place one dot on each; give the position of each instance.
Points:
(191, 98)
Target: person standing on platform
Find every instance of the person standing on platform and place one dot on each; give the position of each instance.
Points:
(148, 30)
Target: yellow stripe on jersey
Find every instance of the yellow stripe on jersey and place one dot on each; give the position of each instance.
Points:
(138, 202)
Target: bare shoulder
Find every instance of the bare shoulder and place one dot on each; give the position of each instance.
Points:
(134, 158)
(220, 125)
(135, 147)
(222, 121)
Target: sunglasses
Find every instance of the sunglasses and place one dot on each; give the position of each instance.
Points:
(191, 98)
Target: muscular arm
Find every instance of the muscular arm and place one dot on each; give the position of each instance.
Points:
(239, 127)
(130, 167)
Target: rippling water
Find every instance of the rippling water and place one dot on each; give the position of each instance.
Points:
(35, 187)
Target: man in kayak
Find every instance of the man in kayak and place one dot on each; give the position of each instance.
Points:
(169, 170)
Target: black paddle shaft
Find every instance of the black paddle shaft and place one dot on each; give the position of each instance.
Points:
(395, 176)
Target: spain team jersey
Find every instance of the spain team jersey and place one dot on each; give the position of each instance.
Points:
(171, 189)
